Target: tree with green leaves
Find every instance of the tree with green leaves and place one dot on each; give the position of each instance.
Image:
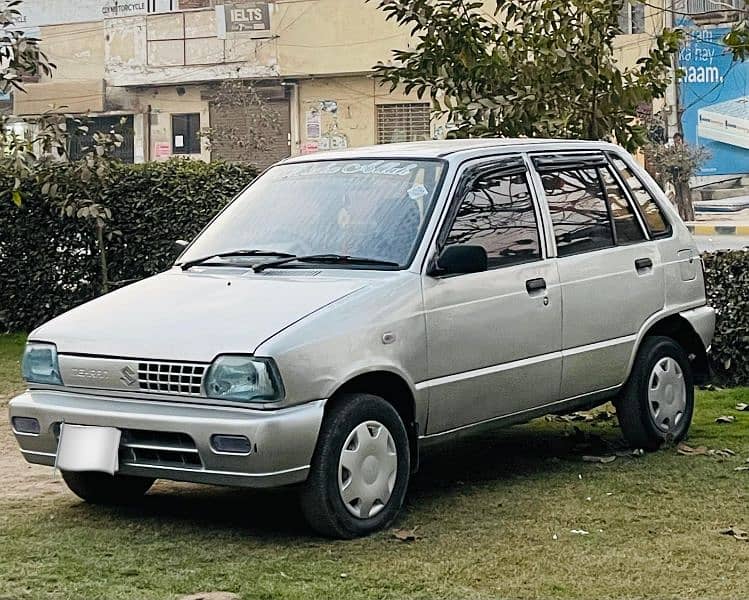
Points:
(543, 68)
(20, 55)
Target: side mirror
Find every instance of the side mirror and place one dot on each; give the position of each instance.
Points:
(460, 260)
(181, 244)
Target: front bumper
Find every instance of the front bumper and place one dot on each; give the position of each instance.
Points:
(283, 441)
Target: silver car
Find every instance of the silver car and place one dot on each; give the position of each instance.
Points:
(348, 310)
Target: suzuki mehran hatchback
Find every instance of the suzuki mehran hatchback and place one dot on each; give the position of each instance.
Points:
(349, 309)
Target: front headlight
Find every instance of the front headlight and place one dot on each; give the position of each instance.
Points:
(243, 379)
(39, 364)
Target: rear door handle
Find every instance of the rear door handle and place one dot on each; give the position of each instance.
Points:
(535, 285)
(641, 264)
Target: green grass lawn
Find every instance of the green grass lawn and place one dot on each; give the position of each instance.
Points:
(493, 518)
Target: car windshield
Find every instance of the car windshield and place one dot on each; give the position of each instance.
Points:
(373, 209)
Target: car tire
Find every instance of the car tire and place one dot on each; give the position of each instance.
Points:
(354, 454)
(102, 488)
(657, 402)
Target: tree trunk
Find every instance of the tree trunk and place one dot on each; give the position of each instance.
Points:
(684, 200)
(102, 258)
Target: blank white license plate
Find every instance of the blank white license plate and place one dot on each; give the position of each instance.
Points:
(84, 448)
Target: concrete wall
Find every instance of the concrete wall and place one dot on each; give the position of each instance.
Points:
(164, 102)
(78, 81)
(181, 47)
(629, 48)
(306, 38)
(347, 107)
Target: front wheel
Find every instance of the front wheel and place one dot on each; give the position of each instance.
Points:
(360, 469)
(657, 402)
(102, 488)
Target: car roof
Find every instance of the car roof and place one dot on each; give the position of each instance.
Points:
(445, 148)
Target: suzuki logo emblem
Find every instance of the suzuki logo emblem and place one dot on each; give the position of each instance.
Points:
(128, 376)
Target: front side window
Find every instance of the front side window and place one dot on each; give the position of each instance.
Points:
(652, 213)
(578, 210)
(374, 209)
(497, 213)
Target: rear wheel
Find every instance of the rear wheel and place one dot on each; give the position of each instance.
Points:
(360, 469)
(657, 402)
(102, 488)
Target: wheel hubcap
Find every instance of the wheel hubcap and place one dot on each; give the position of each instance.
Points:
(367, 469)
(667, 394)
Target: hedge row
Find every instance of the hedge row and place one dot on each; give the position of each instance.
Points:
(727, 276)
(50, 263)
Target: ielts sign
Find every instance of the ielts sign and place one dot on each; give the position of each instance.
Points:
(247, 17)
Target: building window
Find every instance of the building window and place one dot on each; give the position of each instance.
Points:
(186, 134)
(696, 7)
(632, 17)
(158, 6)
(81, 142)
(190, 4)
(403, 123)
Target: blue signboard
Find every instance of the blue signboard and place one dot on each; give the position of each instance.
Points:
(715, 99)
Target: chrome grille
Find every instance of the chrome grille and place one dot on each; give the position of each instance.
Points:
(183, 379)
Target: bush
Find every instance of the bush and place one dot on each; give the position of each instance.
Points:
(50, 263)
(727, 276)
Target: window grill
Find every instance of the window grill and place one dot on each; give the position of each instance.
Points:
(696, 7)
(408, 122)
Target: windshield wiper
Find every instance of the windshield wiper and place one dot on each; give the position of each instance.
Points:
(197, 261)
(327, 259)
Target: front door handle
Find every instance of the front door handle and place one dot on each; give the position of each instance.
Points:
(642, 264)
(535, 285)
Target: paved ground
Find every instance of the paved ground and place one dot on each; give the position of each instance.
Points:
(721, 242)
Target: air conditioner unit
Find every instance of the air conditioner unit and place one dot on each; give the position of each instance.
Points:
(726, 122)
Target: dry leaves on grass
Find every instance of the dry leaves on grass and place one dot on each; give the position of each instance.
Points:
(735, 533)
(725, 419)
(599, 459)
(587, 417)
(686, 450)
(406, 535)
(210, 596)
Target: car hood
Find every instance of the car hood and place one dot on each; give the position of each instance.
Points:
(192, 316)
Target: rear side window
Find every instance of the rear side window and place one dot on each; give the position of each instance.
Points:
(628, 230)
(650, 210)
(578, 210)
(497, 213)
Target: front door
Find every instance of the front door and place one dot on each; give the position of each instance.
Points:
(611, 274)
(493, 338)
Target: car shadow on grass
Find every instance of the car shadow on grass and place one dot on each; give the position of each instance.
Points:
(527, 451)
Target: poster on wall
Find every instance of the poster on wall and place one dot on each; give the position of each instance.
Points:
(314, 124)
(715, 98)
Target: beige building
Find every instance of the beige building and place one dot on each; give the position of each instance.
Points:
(158, 62)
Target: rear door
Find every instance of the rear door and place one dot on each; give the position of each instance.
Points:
(610, 271)
(494, 338)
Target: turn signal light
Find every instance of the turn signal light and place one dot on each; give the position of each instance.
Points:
(231, 444)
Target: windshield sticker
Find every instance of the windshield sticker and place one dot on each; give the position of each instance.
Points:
(417, 191)
(375, 167)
